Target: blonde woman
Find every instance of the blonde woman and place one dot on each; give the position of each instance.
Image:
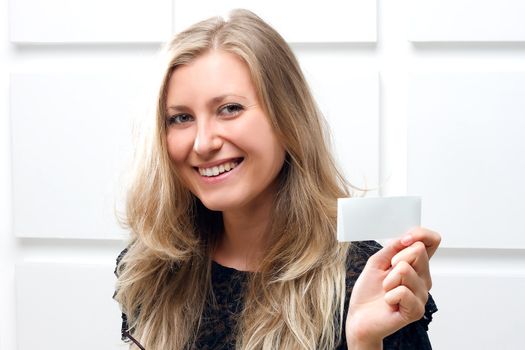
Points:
(232, 215)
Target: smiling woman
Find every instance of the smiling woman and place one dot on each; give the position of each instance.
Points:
(219, 136)
(232, 215)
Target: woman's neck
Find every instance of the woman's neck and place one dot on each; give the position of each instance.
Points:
(245, 235)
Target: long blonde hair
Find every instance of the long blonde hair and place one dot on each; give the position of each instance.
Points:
(295, 300)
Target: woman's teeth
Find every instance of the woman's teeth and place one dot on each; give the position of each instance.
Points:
(217, 170)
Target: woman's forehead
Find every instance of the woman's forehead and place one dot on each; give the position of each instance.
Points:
(212, 75)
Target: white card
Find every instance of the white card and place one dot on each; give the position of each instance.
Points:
(363, 219)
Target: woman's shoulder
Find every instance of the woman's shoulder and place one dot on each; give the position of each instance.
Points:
(364, 249)
(118, 269)
(358, 255)
(120, 256)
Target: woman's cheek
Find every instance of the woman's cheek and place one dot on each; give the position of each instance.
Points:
(179, 146)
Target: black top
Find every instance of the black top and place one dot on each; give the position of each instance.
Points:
(218, 325)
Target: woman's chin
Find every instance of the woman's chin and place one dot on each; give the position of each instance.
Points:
(218, 205)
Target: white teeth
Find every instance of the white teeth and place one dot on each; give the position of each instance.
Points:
(216, 170)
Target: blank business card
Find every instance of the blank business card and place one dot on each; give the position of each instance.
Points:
(363, 219)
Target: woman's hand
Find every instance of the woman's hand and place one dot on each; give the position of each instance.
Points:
(392, 290)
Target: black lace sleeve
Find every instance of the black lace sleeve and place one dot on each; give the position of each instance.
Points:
(411, 337)
(124, 327)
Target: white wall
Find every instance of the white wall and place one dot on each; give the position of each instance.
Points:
(423, 96)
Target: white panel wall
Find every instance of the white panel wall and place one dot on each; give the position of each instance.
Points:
(440, 120)
(465, 130)
(63, 21)
(71, 138)
(479, 310)
(66, 306)
(7, 240)
(330, 21)
(467, 20)
(349, 102)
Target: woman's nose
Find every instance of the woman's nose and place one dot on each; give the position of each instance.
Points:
(207, 140)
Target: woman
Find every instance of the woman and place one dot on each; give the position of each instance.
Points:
(232, 215)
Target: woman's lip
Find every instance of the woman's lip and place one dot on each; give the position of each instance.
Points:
(218, 162)
(220, 177)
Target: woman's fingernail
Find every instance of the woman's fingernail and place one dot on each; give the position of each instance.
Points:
(407, 239)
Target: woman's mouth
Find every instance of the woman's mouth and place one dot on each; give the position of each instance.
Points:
(219, 169)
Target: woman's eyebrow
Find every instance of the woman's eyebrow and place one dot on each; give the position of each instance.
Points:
(181, 108)
(221, 98)
(211, 102)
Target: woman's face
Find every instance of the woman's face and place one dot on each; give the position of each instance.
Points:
(219, 137)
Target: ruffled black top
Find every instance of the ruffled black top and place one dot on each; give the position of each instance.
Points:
(217, 330)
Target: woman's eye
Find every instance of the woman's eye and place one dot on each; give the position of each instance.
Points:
(231, 109)
(179, 119)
